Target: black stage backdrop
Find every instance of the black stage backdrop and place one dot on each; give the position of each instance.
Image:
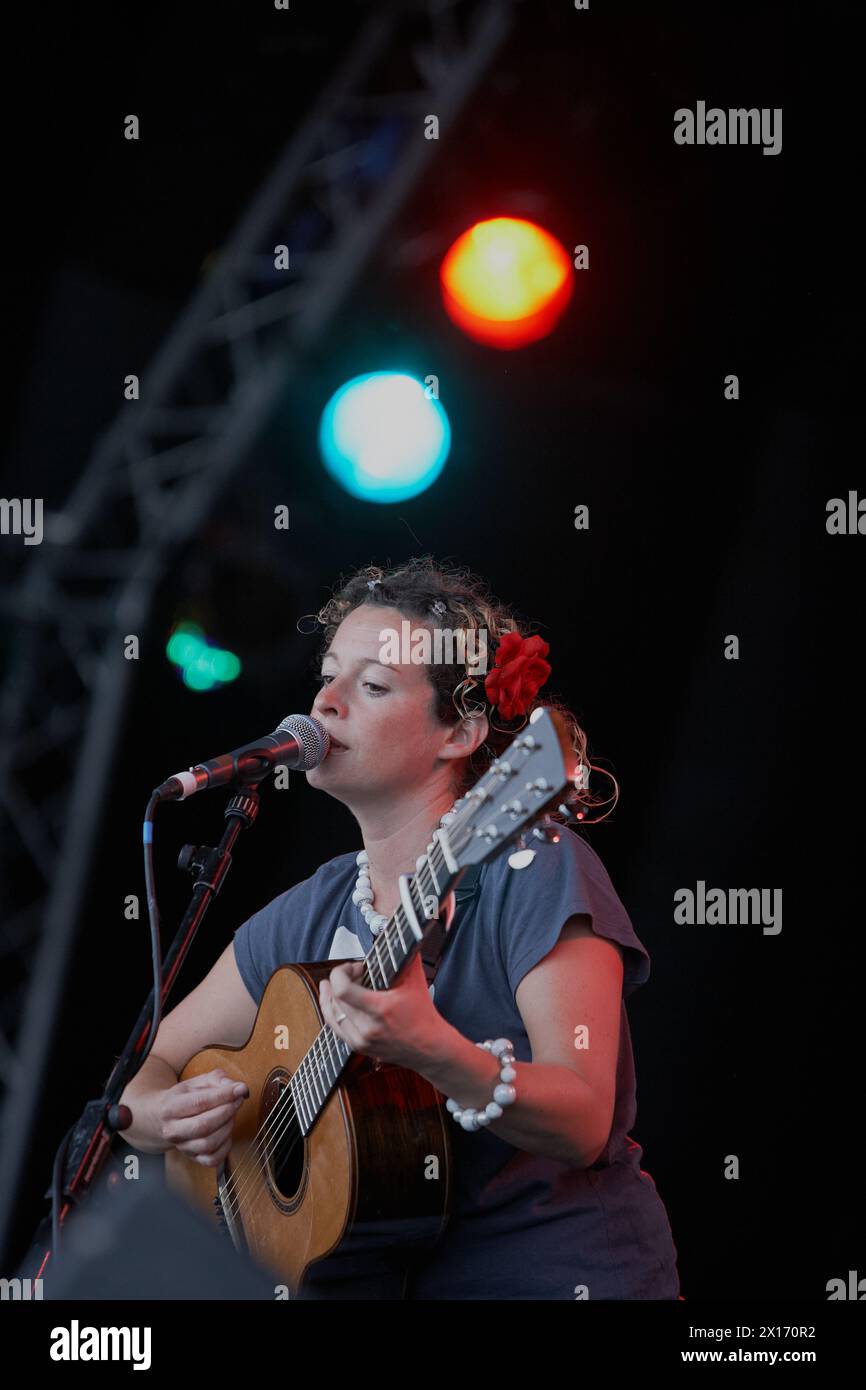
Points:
(707, 518)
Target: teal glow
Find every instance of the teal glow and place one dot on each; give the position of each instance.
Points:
(383, 438)
(202, 665)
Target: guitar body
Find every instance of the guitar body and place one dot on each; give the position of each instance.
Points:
(363, 1169)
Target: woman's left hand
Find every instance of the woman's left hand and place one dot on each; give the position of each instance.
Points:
(399, 1025)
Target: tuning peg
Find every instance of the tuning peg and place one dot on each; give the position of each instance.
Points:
(548, 831)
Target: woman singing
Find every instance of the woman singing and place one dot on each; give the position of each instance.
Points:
(550, 1200)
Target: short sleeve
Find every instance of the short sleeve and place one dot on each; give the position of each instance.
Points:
(256, 945)
(292, 926)
(563, 880)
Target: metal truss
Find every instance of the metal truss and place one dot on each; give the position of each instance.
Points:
(157, 472)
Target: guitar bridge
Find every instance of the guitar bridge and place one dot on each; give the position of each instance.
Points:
(229, 1227)
(222, 1224)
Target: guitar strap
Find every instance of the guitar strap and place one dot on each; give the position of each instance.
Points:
(433, 948)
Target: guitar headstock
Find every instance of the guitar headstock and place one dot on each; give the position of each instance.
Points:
(516, 789)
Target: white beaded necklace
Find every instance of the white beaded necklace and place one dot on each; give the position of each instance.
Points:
(363, 894)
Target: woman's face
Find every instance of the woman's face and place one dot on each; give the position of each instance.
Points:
(383, 714)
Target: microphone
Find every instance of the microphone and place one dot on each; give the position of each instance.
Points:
(298, 742)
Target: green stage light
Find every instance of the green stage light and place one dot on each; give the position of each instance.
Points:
(202, 665)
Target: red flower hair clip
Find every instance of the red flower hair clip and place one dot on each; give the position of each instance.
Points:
(518, 674)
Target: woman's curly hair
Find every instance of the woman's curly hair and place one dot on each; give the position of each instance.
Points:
(413, 589)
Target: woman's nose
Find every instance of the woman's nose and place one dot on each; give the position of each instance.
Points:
(328, 699)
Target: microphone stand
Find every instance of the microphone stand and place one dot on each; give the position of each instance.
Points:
(86, 1147)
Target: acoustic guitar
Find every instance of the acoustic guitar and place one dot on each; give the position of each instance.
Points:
(330, 1146)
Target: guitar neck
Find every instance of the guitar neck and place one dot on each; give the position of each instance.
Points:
(423, 894)
(510, 797)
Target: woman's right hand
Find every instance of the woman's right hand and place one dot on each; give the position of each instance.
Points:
(197, 1116)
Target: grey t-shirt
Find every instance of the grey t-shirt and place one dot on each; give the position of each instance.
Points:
(523, 1226)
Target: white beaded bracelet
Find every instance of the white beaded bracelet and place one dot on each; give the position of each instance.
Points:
(504, 1094)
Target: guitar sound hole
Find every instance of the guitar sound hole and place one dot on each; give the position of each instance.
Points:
(285, 1141)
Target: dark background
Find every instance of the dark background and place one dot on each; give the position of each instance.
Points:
(707, 519)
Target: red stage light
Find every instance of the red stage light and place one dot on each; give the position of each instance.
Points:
(506, 282)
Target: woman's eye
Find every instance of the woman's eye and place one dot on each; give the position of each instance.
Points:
(379, 689)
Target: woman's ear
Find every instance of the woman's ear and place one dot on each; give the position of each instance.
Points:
(468, 734)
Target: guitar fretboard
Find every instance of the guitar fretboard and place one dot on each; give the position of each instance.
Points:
(548, 749)
(319, 1070)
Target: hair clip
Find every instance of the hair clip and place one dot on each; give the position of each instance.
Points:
(439, 608)
(371, 583)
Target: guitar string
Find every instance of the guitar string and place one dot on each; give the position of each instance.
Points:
(257, 1151)
(286, 1108)
(286, 1112)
